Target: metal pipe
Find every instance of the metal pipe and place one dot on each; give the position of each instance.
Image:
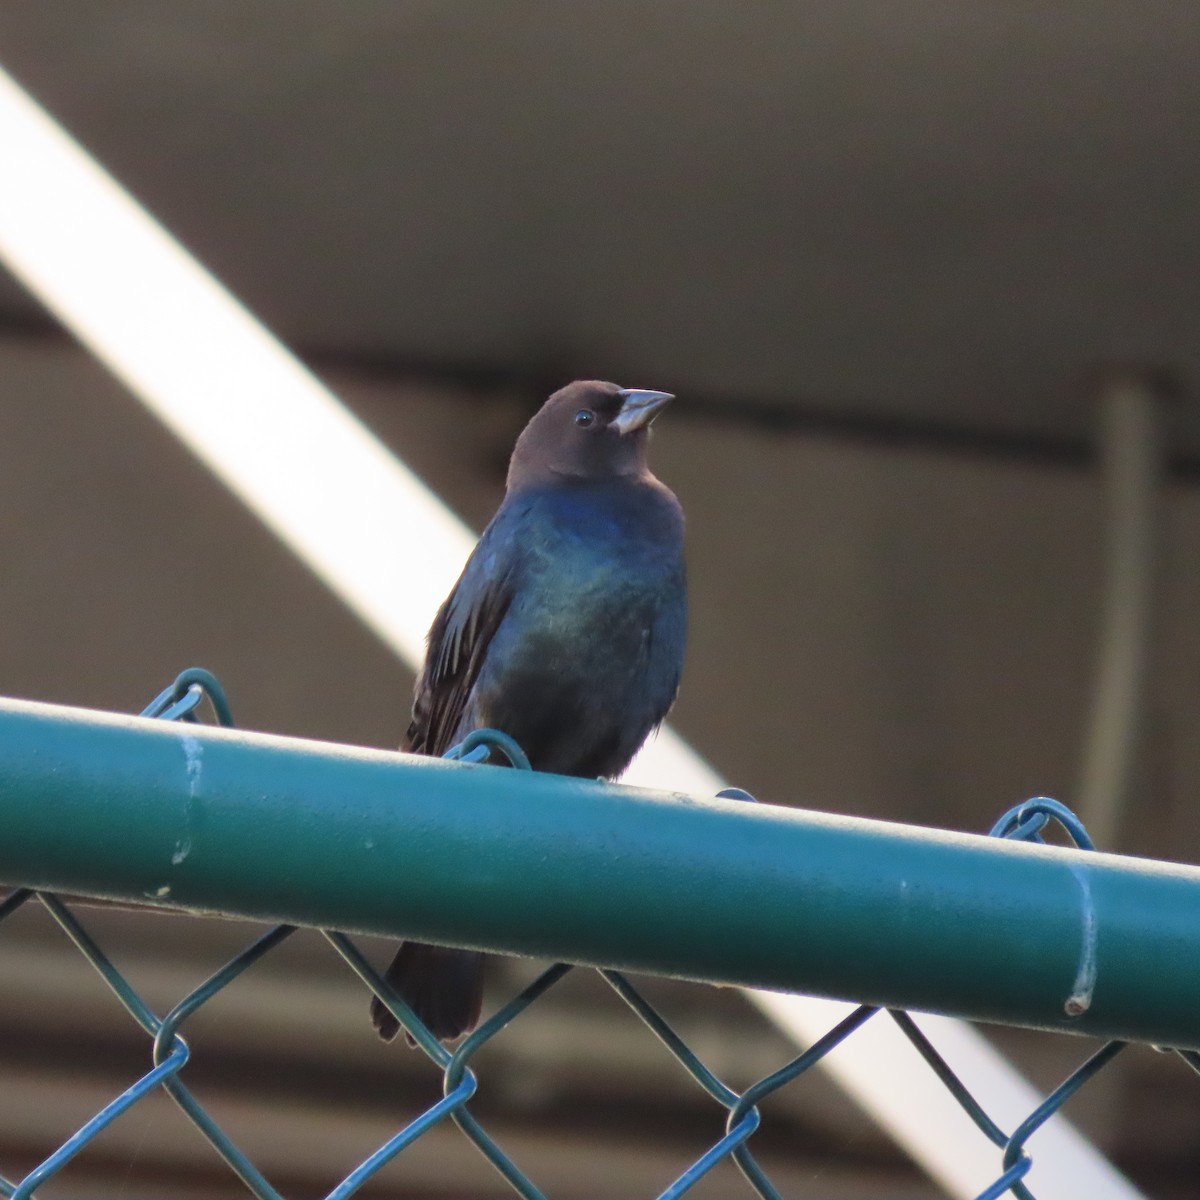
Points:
(522, 863)
(1132, 465)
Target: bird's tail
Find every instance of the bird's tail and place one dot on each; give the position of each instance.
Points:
(443, 987)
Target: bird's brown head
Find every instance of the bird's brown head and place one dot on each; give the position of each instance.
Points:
(587, 430)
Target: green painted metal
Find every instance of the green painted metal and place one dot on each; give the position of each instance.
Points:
(723, 890)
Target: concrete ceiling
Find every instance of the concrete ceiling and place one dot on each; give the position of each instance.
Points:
(929, 212)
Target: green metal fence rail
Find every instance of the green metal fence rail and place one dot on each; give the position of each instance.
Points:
(166, 811)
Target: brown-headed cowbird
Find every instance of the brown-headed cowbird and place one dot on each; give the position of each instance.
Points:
(565, 631)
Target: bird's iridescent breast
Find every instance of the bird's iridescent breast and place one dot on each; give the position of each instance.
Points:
(588, 659)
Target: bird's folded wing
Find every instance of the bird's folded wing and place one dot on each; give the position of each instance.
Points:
(458, 643)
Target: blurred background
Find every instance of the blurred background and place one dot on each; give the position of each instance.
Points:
(903, 263)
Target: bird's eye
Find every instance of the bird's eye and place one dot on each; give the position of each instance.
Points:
(585, 417)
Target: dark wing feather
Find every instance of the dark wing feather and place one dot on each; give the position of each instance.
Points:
(457, 645)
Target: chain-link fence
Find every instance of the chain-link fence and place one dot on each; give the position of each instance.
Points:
(168, 1052)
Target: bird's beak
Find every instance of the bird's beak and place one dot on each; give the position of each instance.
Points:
(638, 409)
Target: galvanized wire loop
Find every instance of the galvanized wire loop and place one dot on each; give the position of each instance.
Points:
(733, 1141)
(1026, 821)
(736, 793)
(93, 1128)
(477, 747)
(180, 699)
(1065, 1090)
(169, 1052)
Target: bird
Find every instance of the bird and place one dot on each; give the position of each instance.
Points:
(565, 630)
